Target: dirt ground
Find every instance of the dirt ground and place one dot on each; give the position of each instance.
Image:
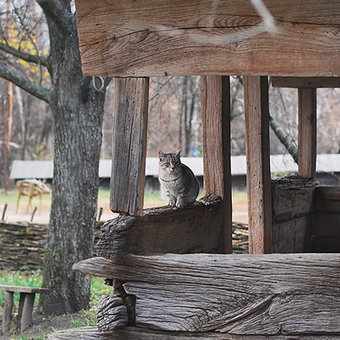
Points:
(240, 214)
(43, 326)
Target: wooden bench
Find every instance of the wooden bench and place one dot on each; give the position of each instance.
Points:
(26, 303)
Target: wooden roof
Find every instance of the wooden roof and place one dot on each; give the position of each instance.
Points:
(199, 37)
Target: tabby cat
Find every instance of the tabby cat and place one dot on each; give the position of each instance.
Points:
(179, 186)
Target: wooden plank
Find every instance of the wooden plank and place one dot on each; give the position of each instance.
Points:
(22, 289)
(312, 82)
(129, 145)
(234, 294)
(215, 103)
(92, 333)
(307, 132)
(258, 163)
(157, 38)
(196, 228)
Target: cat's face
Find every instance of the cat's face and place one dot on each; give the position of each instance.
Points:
(169, 162)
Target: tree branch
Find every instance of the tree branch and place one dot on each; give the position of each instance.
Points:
(31, 58)
(55, 10)
(288, 142)
(35, 89)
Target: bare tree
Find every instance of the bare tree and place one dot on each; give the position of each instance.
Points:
(77, 109)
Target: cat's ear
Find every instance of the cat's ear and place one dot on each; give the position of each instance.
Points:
(177, 153)
(161, 154)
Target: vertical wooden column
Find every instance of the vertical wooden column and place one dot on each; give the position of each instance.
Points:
(129, 145)
(215, 101)
(7, 312)
(307, 132)
(27, 310)
(258, 164)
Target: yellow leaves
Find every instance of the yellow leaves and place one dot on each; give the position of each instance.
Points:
(20, 40)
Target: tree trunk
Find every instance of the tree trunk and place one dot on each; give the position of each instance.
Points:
(78, 113)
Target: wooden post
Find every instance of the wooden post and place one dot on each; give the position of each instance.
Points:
(129, 145)
(27, 310)
(7, 313)
(215, 101)
(307, 132)
(258, 163)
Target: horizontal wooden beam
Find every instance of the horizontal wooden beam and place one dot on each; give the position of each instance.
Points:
(92, 333)
(200, 37)
(314, 82)
(196, 228)
(272, 294)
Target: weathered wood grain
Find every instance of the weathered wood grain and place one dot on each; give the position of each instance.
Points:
(292, 196)
(258, 164)
(134, 333)
(196, 228)
(315, 82)
(157, 38)
(112, 313)
(215, 103)
(307, 132)
(293, 236)
(129, 145)
(272, 294)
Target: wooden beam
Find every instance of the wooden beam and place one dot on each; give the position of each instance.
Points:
(92, 333)
(307, 132)
(272, 294)
(157, 38)
(130, 119)
(196, 228)
(314, 82)
(258, 164)
(215, 102)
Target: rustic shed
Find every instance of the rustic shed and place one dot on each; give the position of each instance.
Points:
(162, 291)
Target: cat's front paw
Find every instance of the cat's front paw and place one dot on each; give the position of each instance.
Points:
(172, 203)
(180, 204)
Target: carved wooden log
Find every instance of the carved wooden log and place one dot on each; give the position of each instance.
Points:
(112, 313)
(195, 228)
(272, 294)
(92, 333)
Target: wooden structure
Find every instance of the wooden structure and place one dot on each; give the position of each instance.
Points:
(26, 304)
(215, 296)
